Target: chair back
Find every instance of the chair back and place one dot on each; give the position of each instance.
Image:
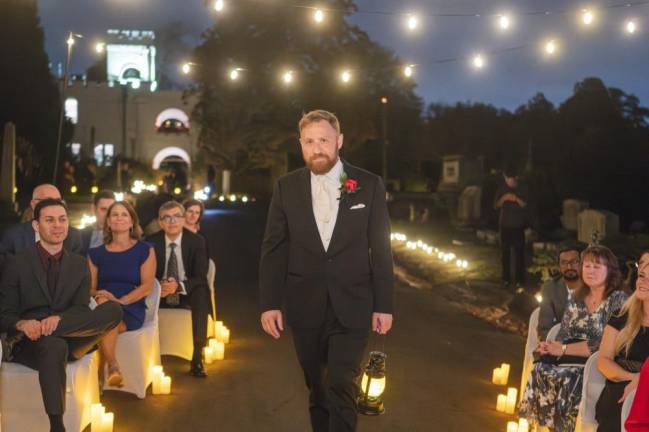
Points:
(153, 304)
(211, 276)
(594, 383)
(626, 409)
(552, 334)
(530, 346)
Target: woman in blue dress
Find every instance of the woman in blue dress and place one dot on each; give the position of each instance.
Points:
(121, 270)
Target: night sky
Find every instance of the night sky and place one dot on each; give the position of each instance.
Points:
(508, 80)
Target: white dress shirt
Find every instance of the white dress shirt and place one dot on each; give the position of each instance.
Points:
(179, 259)
(326, 220)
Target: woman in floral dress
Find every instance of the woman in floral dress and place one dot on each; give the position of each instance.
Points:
(553, 391)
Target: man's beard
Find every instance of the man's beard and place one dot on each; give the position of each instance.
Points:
(323, 164)
(571, 275)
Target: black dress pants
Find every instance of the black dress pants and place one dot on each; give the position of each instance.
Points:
(608, 412)
(330, 357)
(513, 238)
(198, 302)
(75, 336)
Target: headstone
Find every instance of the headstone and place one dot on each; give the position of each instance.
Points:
(601, 222)
(227, 175)
(8, 166)
(571, 210)
(491, 237)
(468, 208)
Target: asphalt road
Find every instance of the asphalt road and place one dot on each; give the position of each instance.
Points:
(438, 368)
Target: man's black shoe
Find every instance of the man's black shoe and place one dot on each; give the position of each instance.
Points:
(198, 370)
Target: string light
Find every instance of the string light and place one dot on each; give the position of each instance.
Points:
(318, 16)
(412, 22)
(478, 61)
(186, 68)
(504, 22)
(70, 40)
(631, 27)
(550, 47)
(587, 17)
(219, 5)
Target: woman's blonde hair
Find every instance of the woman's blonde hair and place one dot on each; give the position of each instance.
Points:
(135, 232)
(634, 308)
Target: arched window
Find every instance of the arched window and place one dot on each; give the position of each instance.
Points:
(72, 110)
(131, 74)
(172, 120)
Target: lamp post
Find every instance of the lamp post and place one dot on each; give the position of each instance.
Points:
(384, 149)
(373, 385)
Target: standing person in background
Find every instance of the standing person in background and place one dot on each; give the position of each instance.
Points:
(512, 200)
(93, 236)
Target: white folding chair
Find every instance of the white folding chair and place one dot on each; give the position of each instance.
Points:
(626, 409)
(552, 334)
(530, 346)
(139, 349)
(594, 383)
(21, 403)
(211, 275)
(176, 336)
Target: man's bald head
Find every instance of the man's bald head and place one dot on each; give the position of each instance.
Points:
(42, 192)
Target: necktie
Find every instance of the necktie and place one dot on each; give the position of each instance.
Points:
(322, 202)
(51, 276)
(172, 272)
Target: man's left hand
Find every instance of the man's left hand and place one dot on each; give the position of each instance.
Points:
(381, 322)
(49, 325)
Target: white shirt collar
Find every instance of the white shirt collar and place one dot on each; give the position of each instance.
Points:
(334, 173)
(178, 240)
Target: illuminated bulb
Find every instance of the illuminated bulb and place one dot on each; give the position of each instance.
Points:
(318, 16)
(187, 68)
(550, 47)
(346, 76)
(73, 189)
(288, 77)
(407, 71)
(99, 47)
(234, 74)
(504, 22)
(177, 190)
(587, 17)
(70, 41)
(539, 297)
(631, 27)
(94, 189)
(244, 199)
(412, 22)
(219, 5)
(478, 62)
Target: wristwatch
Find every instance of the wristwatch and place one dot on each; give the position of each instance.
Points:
(564, 347)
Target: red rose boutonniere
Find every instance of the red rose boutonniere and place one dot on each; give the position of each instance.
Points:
(347, 186)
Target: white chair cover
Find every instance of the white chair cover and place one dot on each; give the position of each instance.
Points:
(211, 275)
(530, 346)
(552, 334)
(176, 326)
(626, 409)
(21, 403)
(594, 383)
(139, 349)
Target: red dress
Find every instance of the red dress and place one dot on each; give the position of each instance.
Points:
(638, 420)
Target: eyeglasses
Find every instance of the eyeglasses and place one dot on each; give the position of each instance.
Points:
(171, 218)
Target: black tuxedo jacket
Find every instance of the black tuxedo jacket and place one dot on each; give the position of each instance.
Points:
(194, 255)
(24, 293)
(355, 273)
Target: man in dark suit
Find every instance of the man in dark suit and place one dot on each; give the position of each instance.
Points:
(326, 258)
(22, 236)
(44, 300)
(182, 270)
(554, 293)
(93, 236)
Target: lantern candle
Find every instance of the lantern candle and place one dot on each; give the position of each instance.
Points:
(208, 355)
(165, 385)
(496, 377)
(219, 351)
(107, 420)
(523, 425)
(157, 378)
(511, 400)
(504, 373)
(501, 403)
(512, 426)
(96, 413)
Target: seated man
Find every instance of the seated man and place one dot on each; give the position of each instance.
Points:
(182, 270)
(93, 236)
(22, 236)
(44, 300)
(555, 292)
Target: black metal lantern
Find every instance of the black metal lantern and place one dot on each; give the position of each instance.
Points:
(373, 385)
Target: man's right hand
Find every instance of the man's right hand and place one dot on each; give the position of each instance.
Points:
(273, 322)
(168, 287)
(31, 328)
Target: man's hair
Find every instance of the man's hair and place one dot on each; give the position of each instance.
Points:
(170, 205)
(48, 202)
(41, 186)
(510, 170)
(572, 247)
(193, 202)
(318, 116)
(103, 194)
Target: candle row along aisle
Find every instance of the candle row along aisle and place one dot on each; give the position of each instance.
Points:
(161, 382)
(500, 375)
(100, 420)
(446, 257)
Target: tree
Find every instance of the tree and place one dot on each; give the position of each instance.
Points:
(245, 123)
(29, 94)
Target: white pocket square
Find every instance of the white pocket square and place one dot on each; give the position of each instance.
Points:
(357, 207)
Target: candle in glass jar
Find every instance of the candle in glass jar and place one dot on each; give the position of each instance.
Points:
(165, 385)
(501, 403)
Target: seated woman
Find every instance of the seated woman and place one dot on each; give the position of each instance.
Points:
(624, 348)
(121, 270)
(194, 210)
(553, 391)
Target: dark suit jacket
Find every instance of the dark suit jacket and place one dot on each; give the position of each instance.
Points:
(553, 305)
(24, 293)
(85, 235)
(356, 271)
(194, 260)
(22, 236)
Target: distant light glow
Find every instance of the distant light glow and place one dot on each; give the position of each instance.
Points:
(631, 27)
(504, 22)
(408, 71)
(288, 77)
(318, 16)
(234, 74)
(346, 76)
(412, 22)
(587, 17)
(186, 68)
(100, 47)
(551, 47)
(219, 5)
(478, 61)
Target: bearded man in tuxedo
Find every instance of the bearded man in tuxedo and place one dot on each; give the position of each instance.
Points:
(326, 266)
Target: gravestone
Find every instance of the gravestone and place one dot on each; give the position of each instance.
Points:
(571, 210)
(602, 222)
(468, 208)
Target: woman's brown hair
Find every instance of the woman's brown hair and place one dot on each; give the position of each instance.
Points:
(194, 202)
(135, 232)
(602, 255)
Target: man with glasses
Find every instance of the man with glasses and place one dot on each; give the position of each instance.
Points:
(182, 271)
(555, 291)
(22, 236)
